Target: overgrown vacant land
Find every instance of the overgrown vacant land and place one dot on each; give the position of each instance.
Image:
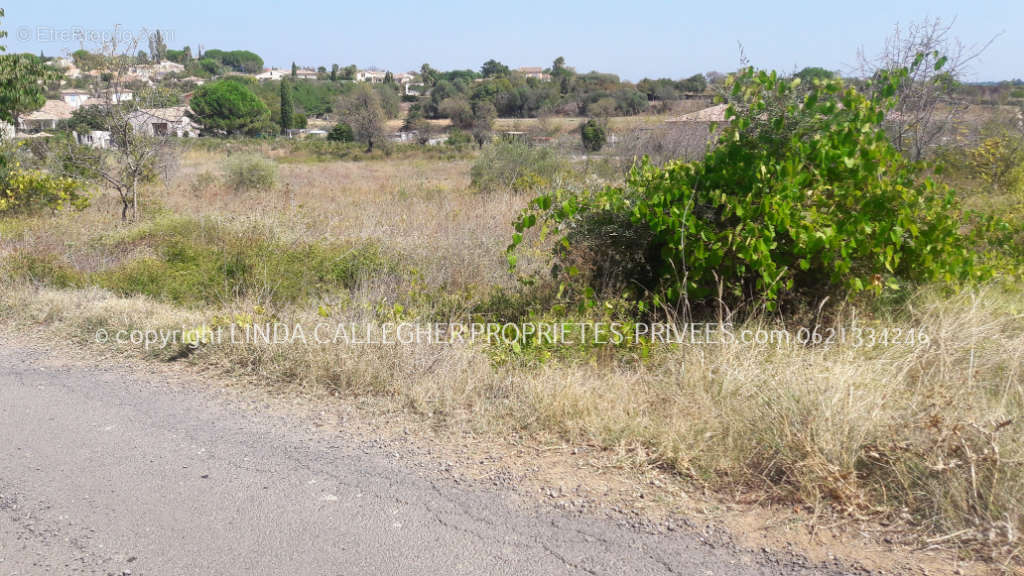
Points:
(804, 220)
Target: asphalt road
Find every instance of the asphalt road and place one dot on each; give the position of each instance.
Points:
(103, 471)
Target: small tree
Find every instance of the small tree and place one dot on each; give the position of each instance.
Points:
(459, 111)
(928, 102)
(493, 69)
(341, 132)
(363, 112)
(138, 151)
(483, 121)
(287, 110)
(593, 135)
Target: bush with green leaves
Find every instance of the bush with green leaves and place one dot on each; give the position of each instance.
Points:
(802, 198)
(458, 138)
(250, 172)
(593, 135)
(341, 132)
(26, 191)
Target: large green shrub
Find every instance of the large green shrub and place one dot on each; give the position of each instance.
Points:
(341, 132)
(27, 191)
(802, 198)
(593, 136)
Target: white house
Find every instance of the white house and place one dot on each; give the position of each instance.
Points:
(271, 74)
(534, 72)
(164, 122)
(371, 76)
(407, 80)
(115, 96)
(167, 67)
(94, 139)
(68, 66)
(305, 74)
(47, 117)
(74, 98)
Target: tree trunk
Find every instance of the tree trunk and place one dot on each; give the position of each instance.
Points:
(135, 200)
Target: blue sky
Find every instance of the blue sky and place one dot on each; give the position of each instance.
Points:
(632, 39)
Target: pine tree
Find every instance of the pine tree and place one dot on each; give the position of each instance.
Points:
(295, 70)
(287, 112)
(334, 72)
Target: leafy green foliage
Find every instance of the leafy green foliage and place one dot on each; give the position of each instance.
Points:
(23, 79)
(458, 139)
(229, 107)
(593, 136)
(803, 197)
(668, 89)
(238, 60)
(341, 132)
(26, 191)
(811, 73)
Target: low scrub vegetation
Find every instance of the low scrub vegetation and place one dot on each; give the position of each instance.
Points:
(517, 166)
(250, 172)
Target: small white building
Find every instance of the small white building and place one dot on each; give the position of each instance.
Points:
(166, 67)
(305, 74)
(371, 76)
(172, 121)
(74, 98)
(94, 139)
(116, 96)
(271, 74)
(534, 72)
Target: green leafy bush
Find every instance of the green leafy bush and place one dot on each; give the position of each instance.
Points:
(802, 198)
(23, 191)
(593, 135)
(458, 138)
(341, 132)
(250, 172)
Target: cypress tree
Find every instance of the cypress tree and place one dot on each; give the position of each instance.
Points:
(287, 112)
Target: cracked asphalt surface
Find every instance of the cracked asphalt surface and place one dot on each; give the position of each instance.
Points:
(103, 471)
